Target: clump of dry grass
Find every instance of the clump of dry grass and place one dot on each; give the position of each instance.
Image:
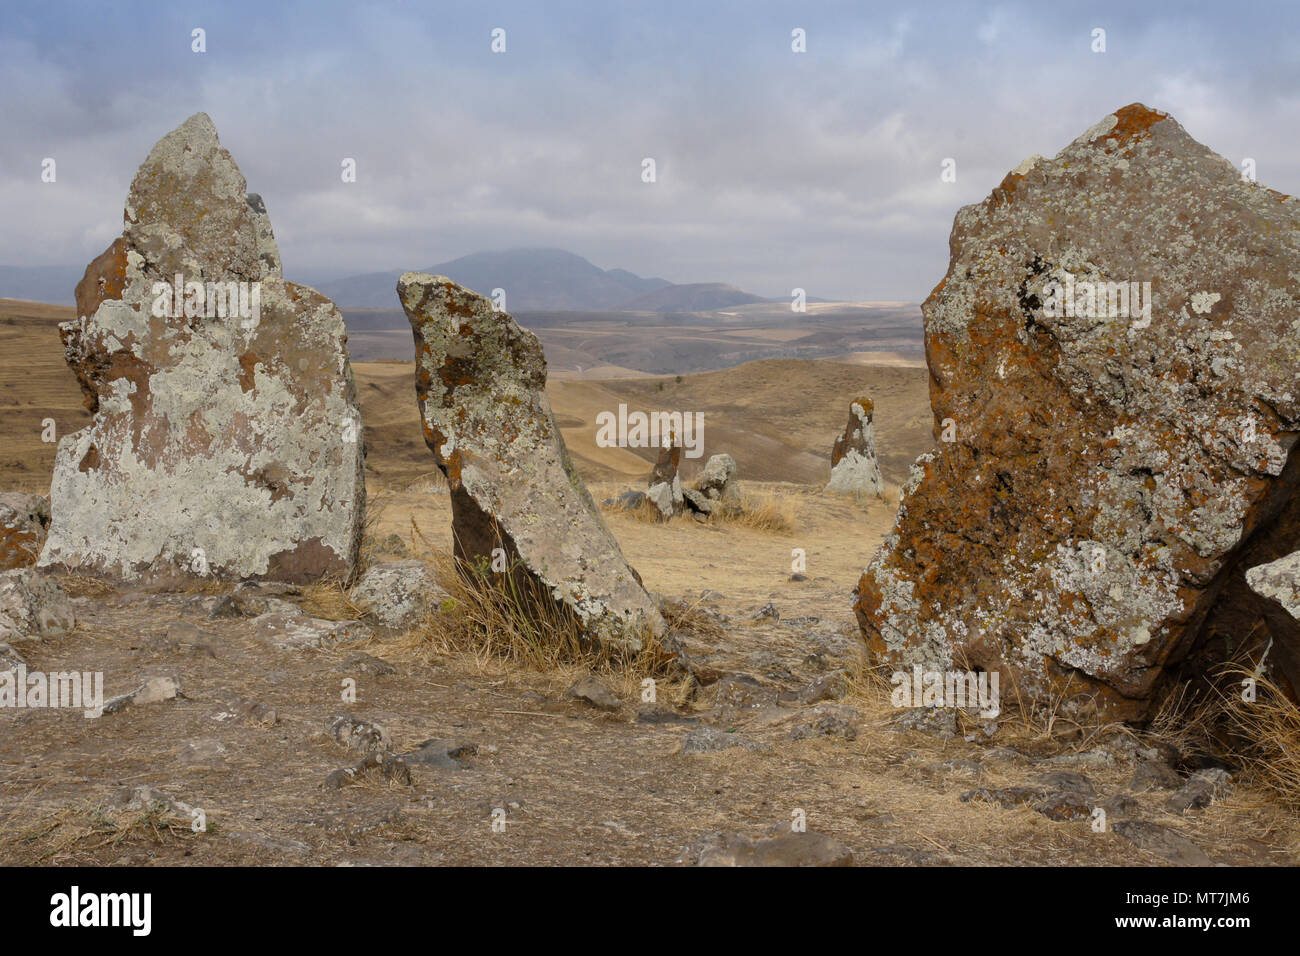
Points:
(77, 584)
(1267, 731)
(762, 512)
(74, 833)
(689, 618)
(502, 618)
(375, 506)
(330, 600)
(869, 686)
(429, 481)
(643, 511)
(1186, 720)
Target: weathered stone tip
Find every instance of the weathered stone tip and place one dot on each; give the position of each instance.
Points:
(424, 295)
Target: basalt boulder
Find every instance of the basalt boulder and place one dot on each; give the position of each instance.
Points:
(226, 437)
(518, 506)
(1112, 361)
(854, 467)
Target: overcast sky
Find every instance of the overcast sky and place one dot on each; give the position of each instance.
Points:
(775, 169)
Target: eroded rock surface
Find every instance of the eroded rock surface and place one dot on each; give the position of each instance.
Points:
(24, 521)
(480, 380)
(854, 466)
(398, 594)
(1113, 377)
(226, 437)
(33, 606)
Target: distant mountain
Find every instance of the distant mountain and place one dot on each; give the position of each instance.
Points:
(51, 284)
(533, 280)
(692, 297)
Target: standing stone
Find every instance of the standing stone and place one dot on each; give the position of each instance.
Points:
(24, 521)
(665, 487)
(226, 439)
(1115, 454)
(854, 468)
(480, 380)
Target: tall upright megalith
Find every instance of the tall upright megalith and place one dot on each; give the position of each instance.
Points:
(517, 503)
(1113, 370)
(226, 438)
(854, 466)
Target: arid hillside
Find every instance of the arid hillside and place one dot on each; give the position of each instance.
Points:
(778, 418)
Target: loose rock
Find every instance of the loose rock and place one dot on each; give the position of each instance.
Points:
(594, 691)
(1163, 842)
(1200, 790)
(399, 594)
(358, 734)
(299, 633)
(33, 606)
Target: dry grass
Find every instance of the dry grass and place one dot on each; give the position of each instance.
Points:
(762, 512)
(1186, 720)
(1268, 729)
(329, 600)
(76, 832)
(499, 618)
(643, 511)
(683, 617)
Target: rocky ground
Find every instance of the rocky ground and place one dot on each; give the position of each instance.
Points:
(504, 765)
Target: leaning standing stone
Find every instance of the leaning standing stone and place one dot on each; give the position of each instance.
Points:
(516, 500)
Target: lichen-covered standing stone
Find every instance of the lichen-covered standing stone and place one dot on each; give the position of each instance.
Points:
(1113, 358)
(854, 467)
(226, 437)
(480, 380)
